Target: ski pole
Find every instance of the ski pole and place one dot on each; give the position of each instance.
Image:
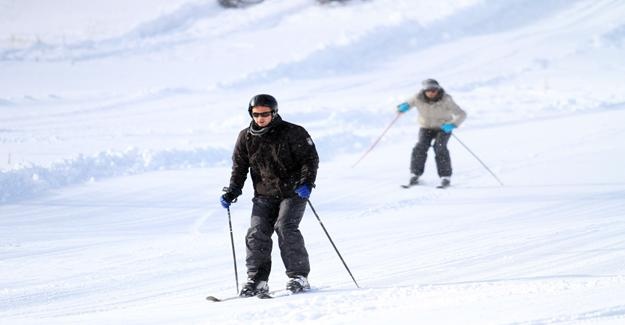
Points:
(377, 140)
(234, 255)
(332, 242)
(478, 159)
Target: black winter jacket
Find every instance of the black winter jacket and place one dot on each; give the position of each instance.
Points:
(279, 160)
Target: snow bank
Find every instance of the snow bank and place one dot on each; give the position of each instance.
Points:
(27, 181)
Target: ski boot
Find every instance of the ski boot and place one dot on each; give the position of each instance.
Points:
(414, 180)
(297, 284)
(254, 288)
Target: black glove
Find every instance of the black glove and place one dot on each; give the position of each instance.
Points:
(229, 197)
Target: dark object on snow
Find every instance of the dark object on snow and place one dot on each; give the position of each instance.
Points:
(246, 3)
(330, 1)
(238, 3)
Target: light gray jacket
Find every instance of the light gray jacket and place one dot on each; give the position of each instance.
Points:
(434, 114)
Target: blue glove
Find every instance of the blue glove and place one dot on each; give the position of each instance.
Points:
(447, 127)
(403, 107)
(229, 197)
(225, 202)
(303, 191)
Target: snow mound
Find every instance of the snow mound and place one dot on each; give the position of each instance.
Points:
(27, 181)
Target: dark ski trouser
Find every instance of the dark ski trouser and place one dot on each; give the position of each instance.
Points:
(282, 216)
(420, 152)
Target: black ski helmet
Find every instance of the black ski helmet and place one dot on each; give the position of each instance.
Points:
(263, 100)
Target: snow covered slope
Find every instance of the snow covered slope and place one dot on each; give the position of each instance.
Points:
(117, 122)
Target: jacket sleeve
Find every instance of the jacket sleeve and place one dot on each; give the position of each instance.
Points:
(413, 100)
(240, 164)
(306, 156)
(459, 115)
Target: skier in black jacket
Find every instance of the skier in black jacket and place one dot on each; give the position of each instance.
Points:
(282, 161)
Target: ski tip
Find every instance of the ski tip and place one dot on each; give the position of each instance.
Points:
(264, 296)
(213, 299)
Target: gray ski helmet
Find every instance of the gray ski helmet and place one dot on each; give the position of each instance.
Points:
(263, 100)
(430, 84)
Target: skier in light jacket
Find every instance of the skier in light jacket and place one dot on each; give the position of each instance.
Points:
(438, 116)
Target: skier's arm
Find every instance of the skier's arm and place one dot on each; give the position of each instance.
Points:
(407, 105)
(240, 165)
(307, 157)
(459, 115)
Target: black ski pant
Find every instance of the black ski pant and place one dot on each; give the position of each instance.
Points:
(420, 152)
(282, 216)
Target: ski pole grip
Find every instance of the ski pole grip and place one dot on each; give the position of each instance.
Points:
(227, 190)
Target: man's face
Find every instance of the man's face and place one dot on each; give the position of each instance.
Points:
(262, 115)
(431, 93)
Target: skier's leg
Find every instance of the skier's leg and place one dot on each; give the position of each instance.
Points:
(258, 239)
(290, 239)
(443, 160)
(420, 152)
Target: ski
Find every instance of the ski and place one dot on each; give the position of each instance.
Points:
(215, 299)
(268, 295)
(280, 293)
(413, 185)
(264, 296)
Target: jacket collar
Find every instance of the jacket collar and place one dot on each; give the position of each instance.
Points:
(256, 130)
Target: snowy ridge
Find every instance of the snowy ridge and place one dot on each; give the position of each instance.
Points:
(27, 181)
